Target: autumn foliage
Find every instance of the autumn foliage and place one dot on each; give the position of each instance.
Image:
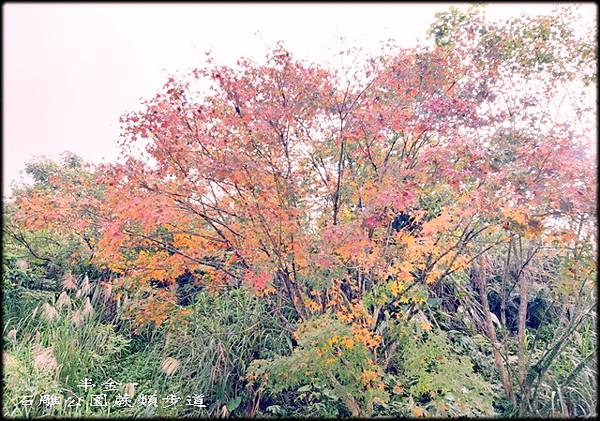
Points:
(293, 178)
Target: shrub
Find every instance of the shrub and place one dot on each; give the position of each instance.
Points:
(434, 380)
(329, 373)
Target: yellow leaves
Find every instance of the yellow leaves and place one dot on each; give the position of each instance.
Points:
(370, 340)
(210, 274)
(396, 287)
(348, 343)
(345, 251)
(369, 190)
(115, 265)
(433, 276)
(313, 306)
(355, 313)
(436, 225)
(155, 266)
(405, 239)
(352, 248)
(404, 268)
(335, 295)
(346, 215)
(414, 254)
(371, 259)
(313, 324)
(344, 317)
(368, 376)
(159, 307)
(426, 326)
(266, 291)
(518, 215)
(184, 241)
(184, 312)
(460, 263)
(401, 271)
(419, 300)
(333, 340)
(535, 227)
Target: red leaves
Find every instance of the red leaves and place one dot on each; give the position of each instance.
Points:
(395, 198)
(258, 281)
(372, 221)
(243, 182)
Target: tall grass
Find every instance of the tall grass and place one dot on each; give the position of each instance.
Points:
(225, 334)
(52, 349)
(208, 356)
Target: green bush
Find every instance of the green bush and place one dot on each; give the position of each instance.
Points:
(435, 380)
(330, 373)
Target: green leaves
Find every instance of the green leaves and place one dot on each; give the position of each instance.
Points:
(437, 375)
(330, 368)
(232, 405)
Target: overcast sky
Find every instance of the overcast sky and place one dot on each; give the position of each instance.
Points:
(70, 70)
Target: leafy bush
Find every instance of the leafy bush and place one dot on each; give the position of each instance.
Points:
(329, 373)
(433, 379)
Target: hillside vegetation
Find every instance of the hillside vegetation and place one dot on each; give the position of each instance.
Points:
(414, 235)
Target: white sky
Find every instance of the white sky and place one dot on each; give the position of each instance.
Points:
(71, 70)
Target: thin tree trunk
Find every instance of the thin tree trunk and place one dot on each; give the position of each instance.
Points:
(491, 332)
(346, 397)
(336, 195)
(503, 295)
(521, 338)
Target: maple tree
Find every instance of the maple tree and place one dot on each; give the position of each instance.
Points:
(293, 178)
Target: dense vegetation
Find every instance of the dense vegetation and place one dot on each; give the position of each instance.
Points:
(413, 236)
